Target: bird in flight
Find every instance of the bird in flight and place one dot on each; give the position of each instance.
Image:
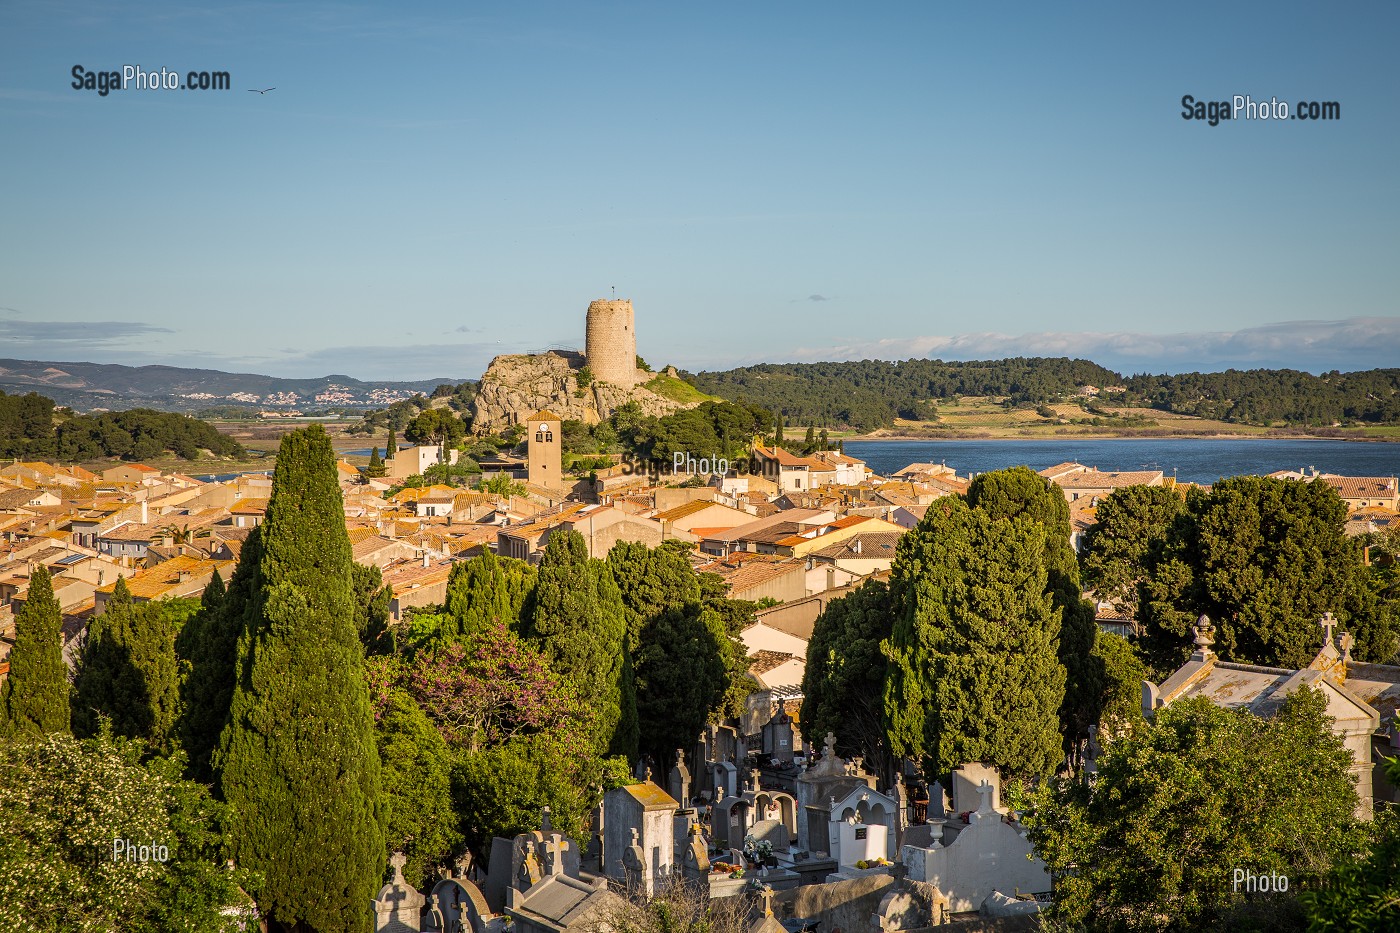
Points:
(253, 90)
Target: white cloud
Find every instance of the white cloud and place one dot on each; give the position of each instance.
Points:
(1316, 346)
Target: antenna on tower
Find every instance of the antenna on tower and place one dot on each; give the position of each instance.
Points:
(614, 291)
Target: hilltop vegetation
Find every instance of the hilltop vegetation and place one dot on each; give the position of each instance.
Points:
(31, 427)
(871, 394)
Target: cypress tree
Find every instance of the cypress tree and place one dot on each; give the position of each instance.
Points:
(575, 614)
(483, 591)
(209, 645)
(845, 675)
(94, 685)
(34, 698)
(392, 447)
(973, 672)
(1020, 491)
(778, 430)
(297, 761)
(130, 673)
(376, 464)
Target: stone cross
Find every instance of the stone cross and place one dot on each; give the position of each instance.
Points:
(1347, 643)
(753, 780)
(767, 901)
(397, 861)
(1328, 623)
(830, 746)
(984, 797)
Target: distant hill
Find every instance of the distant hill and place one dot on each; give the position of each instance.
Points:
(870, 394)
(88, 386)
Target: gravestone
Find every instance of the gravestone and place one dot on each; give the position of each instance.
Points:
(774, 833)
(778, 737)
(456, 906)
(724, 774)
(937, 801)
(399, 906)
(966, 781)
(678, 781)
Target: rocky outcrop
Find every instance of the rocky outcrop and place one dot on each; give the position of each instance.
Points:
(515, 387)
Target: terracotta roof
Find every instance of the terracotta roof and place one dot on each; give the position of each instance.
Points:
(159, 580)
(761, 662)
(784, 458)
(873, 545)
(683, 511)
(1362, 487)
(1062, 469)
(1094, 479)
(544, 414)
(743, 571)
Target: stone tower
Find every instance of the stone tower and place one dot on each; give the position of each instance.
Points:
(545, 449)
(611, 342)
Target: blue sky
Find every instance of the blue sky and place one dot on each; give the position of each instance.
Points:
(433, 185)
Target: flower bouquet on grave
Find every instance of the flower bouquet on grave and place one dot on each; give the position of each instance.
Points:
(757, 851)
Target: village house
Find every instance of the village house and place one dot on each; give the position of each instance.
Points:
(755, 577)
(1078, 481)
(137, 473)
(745, 537)
(411, 461)
(788, 470)
(860, 554)
(178, 577)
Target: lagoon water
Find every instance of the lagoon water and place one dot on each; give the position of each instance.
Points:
(1196, 460)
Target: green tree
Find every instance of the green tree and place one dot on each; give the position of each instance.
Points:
(1120, 703)
(501, 485)
(129, 672)
(575, 614)
(1131, 528)
(651, 580)
(500, 791)
(1020, 491)
(63, 805)
(682, 676)
(1362, 893)
(1264, 559)
(417, 782)
(482, 592)
(208, 646)
(372, 599)
(298, 761)
(1178, 805)
(973, 671)
(391, 446)
(845, 675)
(34, 698)
(690, 661)
(436, 426)
(376, 468)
